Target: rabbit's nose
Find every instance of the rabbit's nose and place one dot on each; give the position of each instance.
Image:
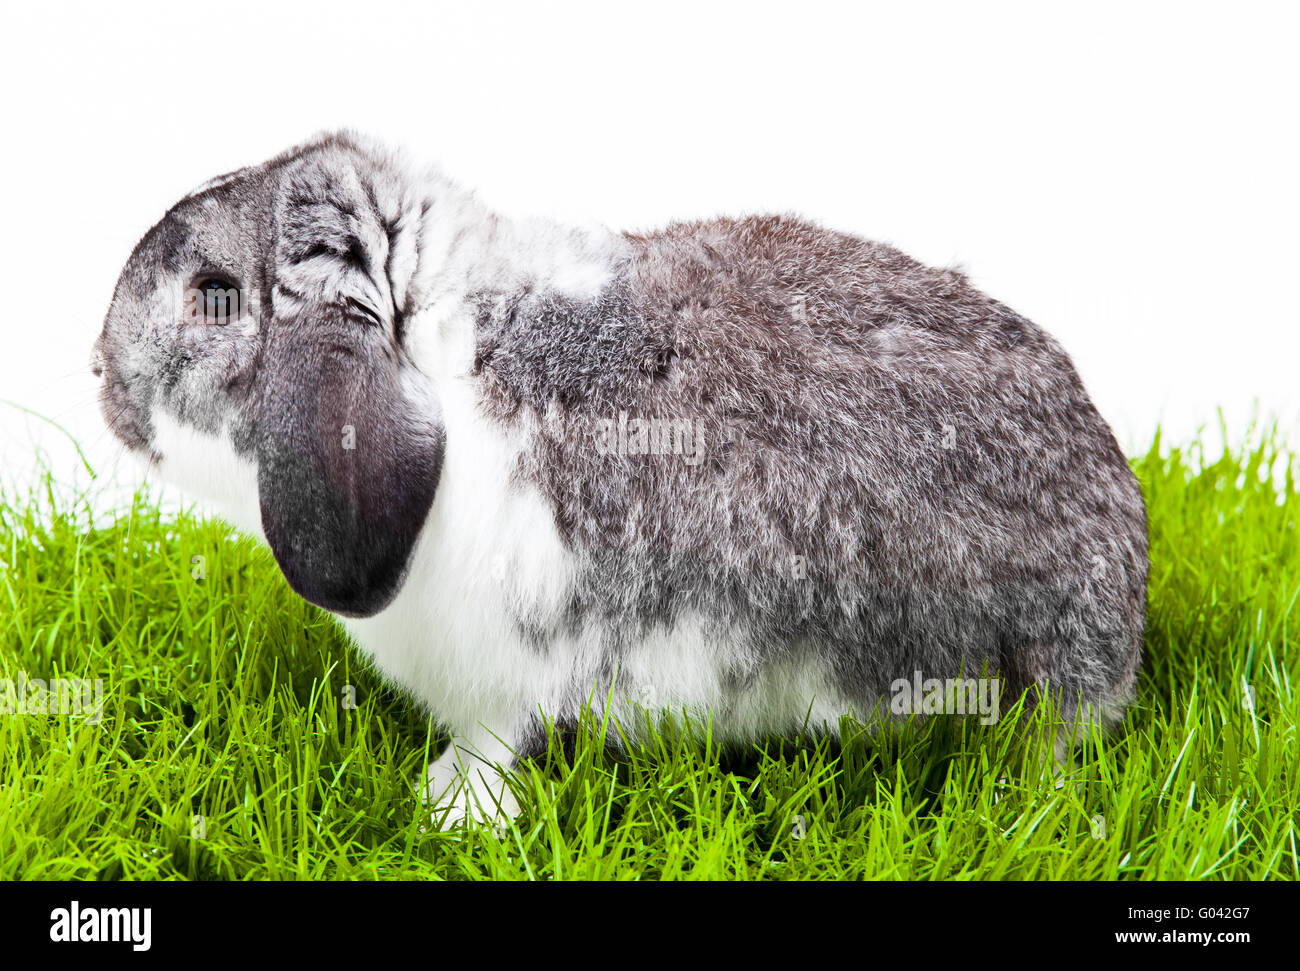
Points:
(96, 361)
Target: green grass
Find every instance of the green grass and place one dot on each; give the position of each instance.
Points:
(223, 700)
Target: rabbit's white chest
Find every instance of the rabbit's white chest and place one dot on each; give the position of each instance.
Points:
(489, 553)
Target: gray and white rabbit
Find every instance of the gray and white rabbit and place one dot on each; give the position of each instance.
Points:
(747, 470)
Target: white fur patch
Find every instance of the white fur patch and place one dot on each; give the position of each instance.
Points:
(208, 468)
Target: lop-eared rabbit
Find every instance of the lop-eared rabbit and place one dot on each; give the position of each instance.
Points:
(750, 471)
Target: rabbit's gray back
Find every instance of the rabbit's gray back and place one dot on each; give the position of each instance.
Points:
(824, 455)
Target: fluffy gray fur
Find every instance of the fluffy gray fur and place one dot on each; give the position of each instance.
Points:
(830, 514)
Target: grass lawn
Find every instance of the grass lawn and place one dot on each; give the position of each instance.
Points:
(225, 750)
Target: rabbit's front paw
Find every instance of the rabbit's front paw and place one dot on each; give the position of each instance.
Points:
(463, 788)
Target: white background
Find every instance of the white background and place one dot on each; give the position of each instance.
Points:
(1124, 174)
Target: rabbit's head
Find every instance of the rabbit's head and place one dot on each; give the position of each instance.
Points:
(256, 337)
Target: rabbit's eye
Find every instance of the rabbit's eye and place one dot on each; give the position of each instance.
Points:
(218, 299)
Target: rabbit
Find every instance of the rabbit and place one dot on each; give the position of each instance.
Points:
(749, 470)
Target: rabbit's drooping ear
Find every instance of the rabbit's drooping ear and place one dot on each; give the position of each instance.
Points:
(350, 438)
